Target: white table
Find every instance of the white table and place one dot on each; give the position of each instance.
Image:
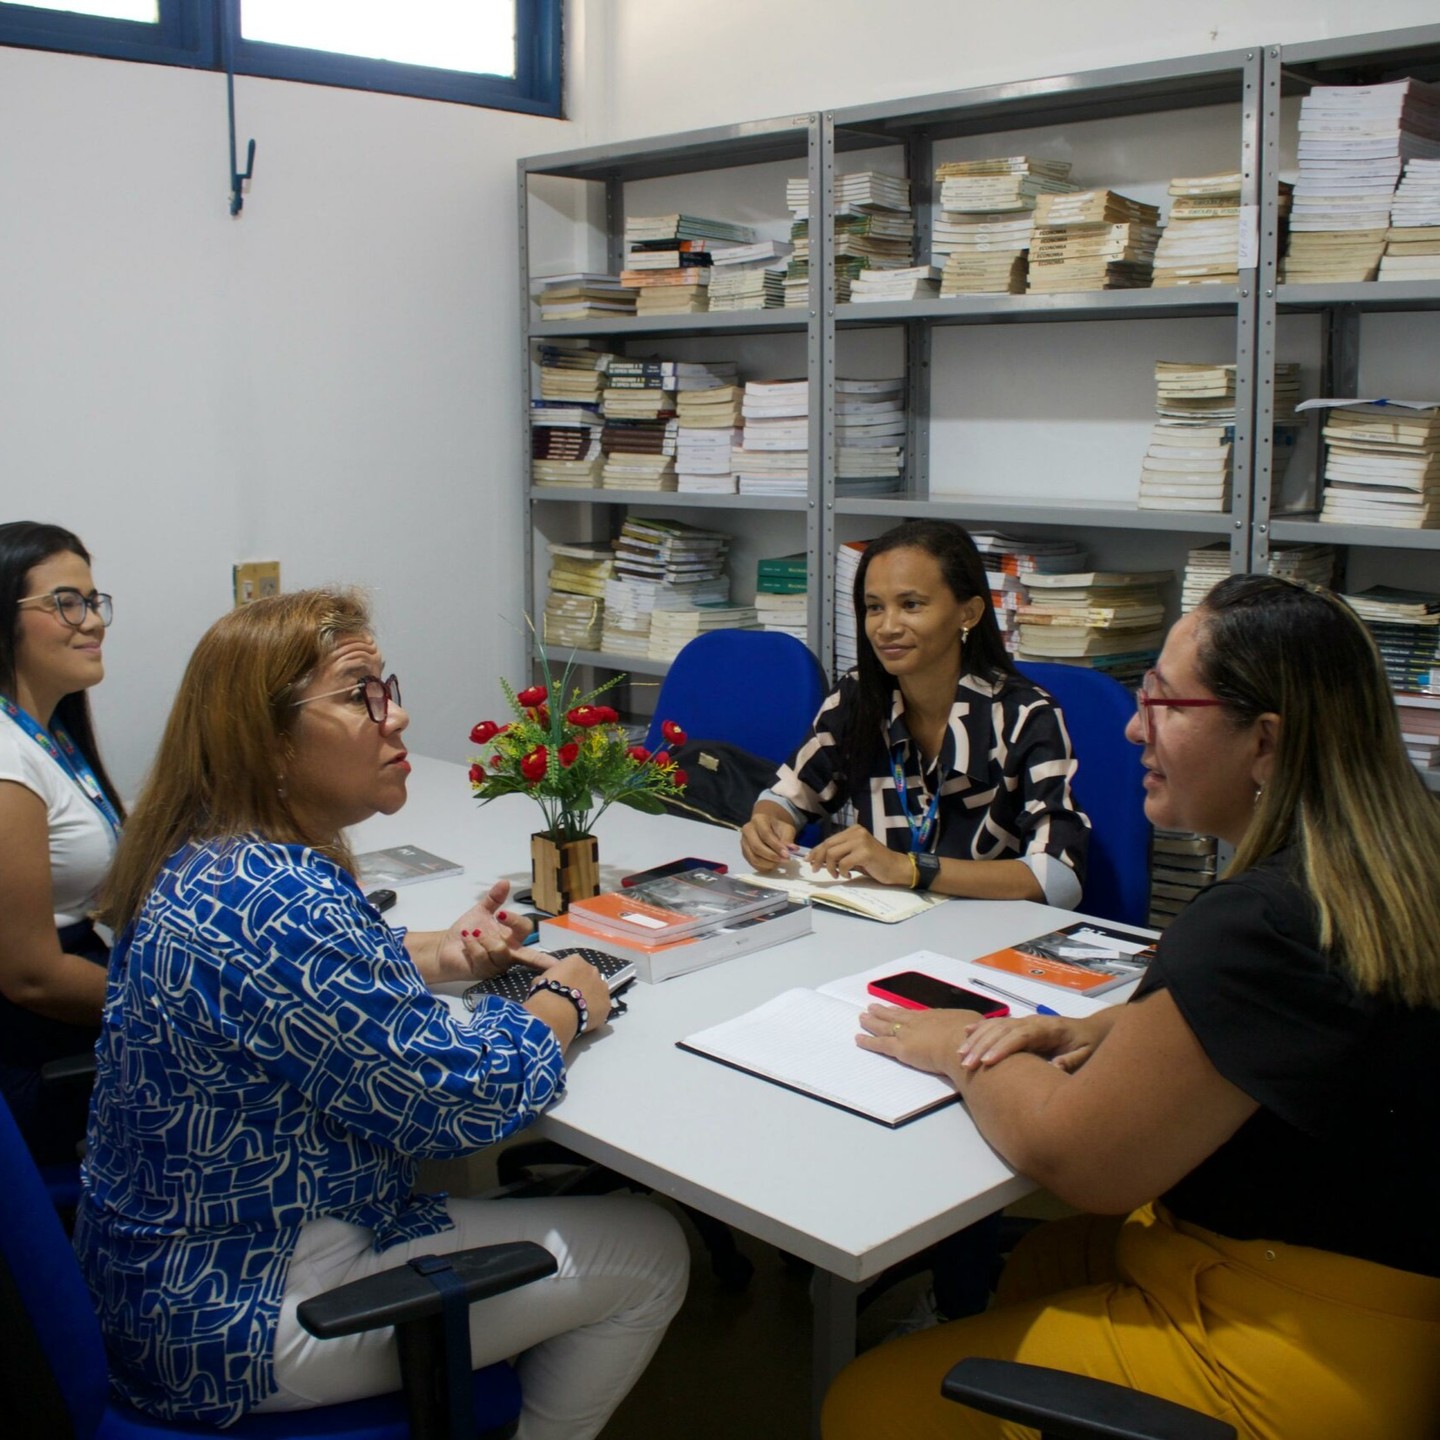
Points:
(851, 1196)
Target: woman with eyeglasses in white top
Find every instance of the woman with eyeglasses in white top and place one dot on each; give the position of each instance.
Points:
(60, 818)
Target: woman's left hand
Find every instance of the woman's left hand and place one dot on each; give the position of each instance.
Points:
(925, 1039)
(856, 848)
(486, 940)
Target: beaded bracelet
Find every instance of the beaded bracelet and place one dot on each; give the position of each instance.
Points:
(570, 993)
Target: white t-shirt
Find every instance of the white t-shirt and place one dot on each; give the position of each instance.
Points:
(82, 844)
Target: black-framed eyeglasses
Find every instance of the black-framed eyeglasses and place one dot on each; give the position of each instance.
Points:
(1145, 702)
(379, 695)
(71, 605)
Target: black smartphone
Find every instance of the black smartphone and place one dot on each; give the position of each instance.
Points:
(924, 992)
(382, 900)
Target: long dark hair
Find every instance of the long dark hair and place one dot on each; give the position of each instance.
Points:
(1342, 790)
(24, 544)
(984, 652)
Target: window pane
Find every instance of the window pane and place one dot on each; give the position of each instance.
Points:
(146, 10)
(477, 36)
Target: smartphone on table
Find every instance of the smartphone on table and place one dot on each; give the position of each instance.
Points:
(924, 992)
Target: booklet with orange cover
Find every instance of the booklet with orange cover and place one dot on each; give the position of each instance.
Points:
(1088, 957)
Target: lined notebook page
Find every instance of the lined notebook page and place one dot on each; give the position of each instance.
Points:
(807, 1040)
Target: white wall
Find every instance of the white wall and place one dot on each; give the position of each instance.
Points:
(330, 379)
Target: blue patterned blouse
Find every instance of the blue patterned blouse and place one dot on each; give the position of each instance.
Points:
(269, 1054)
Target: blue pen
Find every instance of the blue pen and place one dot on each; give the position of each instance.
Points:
(1011, 995)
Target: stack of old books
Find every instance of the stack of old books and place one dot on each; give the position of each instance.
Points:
(869, 435)
(1406, 627)
(982, 235)
(582, 295)
(1354, 142)
(1181, 866)
(874, 229)
(1412, 244)
(575, 606)
(660, 565)
(749, 277)
(709, 428)
(773, 457)
(638, 438)
(1419, 714)
(564, 443)
(1207, 565)
(668, 260)
(1092, 240)
(913, 282)
(672, 630)
(1201, 243)
(1102, 619)
(782, 595)
(1187, 465)
(1382, 464)
(1008, 559)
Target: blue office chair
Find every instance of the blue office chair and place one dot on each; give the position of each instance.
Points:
(1074, 1407)
(52, 1362)
(757, 689)
(1109, 788)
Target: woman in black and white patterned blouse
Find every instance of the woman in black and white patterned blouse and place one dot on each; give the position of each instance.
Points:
(958, 768)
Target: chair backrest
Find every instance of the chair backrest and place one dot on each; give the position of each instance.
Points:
(758, 689)
(1109, 788)
(43, 1282)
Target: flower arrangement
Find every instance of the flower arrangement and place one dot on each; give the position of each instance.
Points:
(574, 760)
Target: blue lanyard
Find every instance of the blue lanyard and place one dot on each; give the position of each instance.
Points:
(919, 830)
(64, 752)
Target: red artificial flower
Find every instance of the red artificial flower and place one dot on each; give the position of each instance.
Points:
(477, 774)
(638, 753)
(568, 754)
(535, 695)
(585, 716)
(672, 732)
(680, 778)
(484, 731)
(534, 765)
(496, 761)
(661, 758)
(607, 715)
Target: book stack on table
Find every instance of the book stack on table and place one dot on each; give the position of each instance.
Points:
(674, 924)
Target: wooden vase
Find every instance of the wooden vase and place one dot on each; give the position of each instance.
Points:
(560, 873)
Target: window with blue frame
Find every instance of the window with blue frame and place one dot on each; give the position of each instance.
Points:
(504, 54)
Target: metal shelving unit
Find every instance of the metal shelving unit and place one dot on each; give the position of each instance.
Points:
(1252, 81)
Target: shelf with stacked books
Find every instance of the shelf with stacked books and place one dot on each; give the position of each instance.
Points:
(1138, 304)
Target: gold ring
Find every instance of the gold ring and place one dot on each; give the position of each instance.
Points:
(895, 1030)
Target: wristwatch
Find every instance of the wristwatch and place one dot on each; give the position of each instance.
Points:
(570, 993)
(927, 867)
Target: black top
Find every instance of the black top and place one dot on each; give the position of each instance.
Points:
(1342, 1154)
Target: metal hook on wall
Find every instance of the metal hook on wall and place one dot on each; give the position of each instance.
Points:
(237, 176)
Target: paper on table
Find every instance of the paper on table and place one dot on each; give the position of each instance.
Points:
(855, 893)
(806, 1040)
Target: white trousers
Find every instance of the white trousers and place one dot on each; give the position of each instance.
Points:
(583, 1336)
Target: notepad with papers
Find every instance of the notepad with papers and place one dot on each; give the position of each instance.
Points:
(804, 1040)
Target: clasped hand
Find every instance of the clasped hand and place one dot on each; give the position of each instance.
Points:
(960, 1042)
(487, 940)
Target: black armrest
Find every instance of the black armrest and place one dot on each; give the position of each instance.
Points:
(69, 1070)
(398, 1296)
(1074, 1407)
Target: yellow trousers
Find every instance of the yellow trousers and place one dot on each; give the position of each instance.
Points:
(1282, 1341)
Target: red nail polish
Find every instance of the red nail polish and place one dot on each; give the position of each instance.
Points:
(501, 915)
(464, 934)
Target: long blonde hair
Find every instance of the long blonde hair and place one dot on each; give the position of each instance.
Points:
(216, 773)
(1342, 790)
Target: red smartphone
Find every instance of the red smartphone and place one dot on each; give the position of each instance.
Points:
(675, 867)
(924, 992)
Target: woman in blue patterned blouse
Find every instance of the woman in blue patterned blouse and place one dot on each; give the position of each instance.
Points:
(272, 1066)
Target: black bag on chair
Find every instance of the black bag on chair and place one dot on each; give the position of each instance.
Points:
(722, 782)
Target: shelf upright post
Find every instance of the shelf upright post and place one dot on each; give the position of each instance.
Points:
(820, 370)
(1255, 353)
(527, 509)
(920, 166)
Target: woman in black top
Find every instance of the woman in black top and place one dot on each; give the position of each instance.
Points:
(1264, 1113)
(949, 756)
